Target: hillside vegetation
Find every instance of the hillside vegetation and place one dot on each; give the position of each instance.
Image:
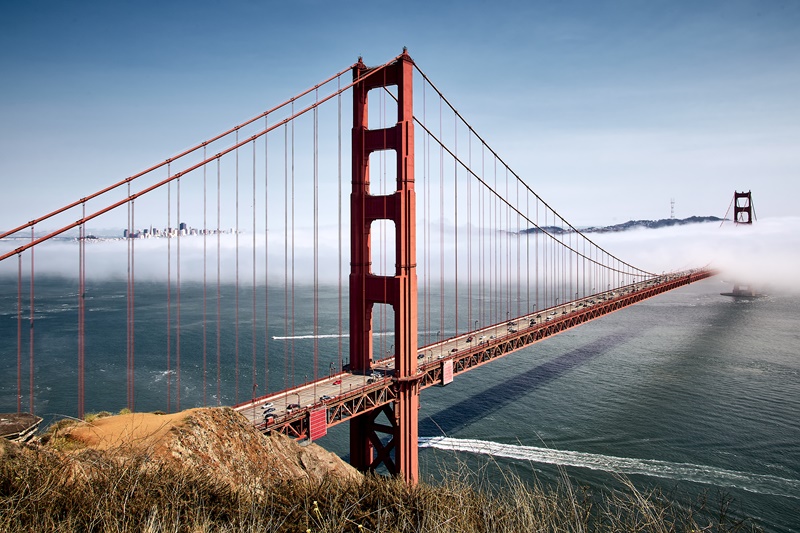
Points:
(208, 470)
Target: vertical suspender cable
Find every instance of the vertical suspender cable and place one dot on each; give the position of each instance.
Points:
(316, 243)
(494, 255)
(545, 280)
(469, 234)
(266, 257)
(519, 261)
(428, 223)
(81, 311)
(19, 333)
(563, 265)
(537, 304)
(293, 321)
(236, 288)
(339, 180)
(132, 380)
(286, 255)
(527, 252)
(169, 288)
(430, 226)
(441, 230)
(455, 213)
(178, 303)
(128, 325)
(128, 301)
(482, 237)
(30, 358)
(508, 250)
(219, 294)
(253, 320)
(426, 258)
(205, 277)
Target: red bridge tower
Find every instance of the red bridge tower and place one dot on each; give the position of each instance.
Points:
(742, 207)
(367, 451)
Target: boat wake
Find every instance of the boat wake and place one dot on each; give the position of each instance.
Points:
(328, 336)
(761, 484)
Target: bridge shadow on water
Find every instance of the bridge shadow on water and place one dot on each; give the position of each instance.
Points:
(458, 416)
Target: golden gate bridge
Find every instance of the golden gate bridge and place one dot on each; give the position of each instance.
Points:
(454, 261)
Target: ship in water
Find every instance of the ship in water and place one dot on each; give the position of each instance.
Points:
(744, 291)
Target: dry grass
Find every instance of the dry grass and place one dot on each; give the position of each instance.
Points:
(121, 491)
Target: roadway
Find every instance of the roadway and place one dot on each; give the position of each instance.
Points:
(342, 386)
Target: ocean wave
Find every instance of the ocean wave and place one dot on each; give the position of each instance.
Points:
(757, 483)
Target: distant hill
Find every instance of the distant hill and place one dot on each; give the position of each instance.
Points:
(629, 225)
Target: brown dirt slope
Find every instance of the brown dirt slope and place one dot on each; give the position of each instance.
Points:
(216, 441)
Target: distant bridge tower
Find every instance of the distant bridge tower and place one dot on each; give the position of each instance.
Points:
(743, 208)
(743, 213)
(367, 449)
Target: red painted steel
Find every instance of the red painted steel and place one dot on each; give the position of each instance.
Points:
(447, 372)
(400, 290)
(742, 212)
(317, 423)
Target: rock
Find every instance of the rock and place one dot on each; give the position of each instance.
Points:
(216, 441)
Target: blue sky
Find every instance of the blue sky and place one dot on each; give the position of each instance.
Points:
(607, 109)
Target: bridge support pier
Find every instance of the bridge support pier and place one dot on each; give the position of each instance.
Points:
(400, 290)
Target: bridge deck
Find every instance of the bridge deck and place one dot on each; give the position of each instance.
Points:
(346, 394)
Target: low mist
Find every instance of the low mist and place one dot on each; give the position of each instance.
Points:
(766, 254)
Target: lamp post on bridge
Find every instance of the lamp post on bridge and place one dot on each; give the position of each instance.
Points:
(253, 401)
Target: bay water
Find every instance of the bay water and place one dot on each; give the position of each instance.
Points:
(691, 391)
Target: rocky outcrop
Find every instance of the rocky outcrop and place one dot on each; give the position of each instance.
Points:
(215, 441)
